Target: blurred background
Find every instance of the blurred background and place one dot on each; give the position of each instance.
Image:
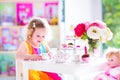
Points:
(62, 15)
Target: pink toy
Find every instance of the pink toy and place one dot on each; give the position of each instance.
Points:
(113, 67)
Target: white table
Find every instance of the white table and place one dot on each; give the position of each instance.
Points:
(78, 71)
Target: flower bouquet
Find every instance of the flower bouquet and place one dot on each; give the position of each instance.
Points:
(95, 32)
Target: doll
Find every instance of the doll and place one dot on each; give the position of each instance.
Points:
(113, 67)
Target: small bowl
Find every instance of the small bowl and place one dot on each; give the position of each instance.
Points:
(85, 59)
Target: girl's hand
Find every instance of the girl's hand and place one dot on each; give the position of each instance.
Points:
(27, 57)
(50, 55)
(35, 57)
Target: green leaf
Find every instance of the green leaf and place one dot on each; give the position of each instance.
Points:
(84, 36)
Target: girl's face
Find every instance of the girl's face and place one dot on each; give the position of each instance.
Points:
(38, 36)
(113, 61)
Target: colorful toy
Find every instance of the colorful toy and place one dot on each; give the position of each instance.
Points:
(113, 67)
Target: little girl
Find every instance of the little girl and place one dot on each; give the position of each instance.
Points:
(34, 46)
(113, 67)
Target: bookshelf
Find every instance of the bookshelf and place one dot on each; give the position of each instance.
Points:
(7, 67)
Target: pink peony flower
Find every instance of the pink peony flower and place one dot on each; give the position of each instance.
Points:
(98, 24)
(79, 29)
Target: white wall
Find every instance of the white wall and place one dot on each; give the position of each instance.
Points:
(77, 11)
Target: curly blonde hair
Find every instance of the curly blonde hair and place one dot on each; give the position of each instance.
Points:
(113, 53)
(37, 23)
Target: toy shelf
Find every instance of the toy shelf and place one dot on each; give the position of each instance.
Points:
(7, 77)
(7, 52)
(7, 65)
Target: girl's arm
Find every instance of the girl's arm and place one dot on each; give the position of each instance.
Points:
(22, 53)
(48, 50)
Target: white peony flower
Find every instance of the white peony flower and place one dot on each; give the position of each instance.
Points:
(110, 34)
(94, 32)
(106, 35)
